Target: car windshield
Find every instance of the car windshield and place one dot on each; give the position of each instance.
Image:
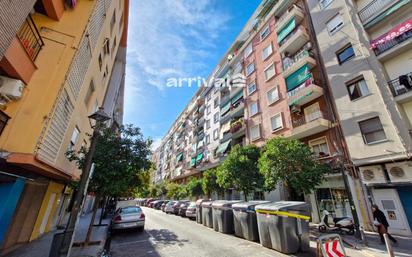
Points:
(129, 210)
(192, 204)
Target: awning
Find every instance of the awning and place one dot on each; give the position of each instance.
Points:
(287, 29)
(237, 97)
(179, 157)
(393, 33)
(386, 13)
(193, 162)
(223, 147)
(225, 108)
(199, 157)
(298, 77)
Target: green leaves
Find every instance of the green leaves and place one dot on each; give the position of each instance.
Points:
(194, 187)
(209, 183)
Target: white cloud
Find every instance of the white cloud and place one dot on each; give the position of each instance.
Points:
(156, 143)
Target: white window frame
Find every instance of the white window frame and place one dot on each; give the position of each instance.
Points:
(216, 120)
(267, 68)
(258, 133)
(208, 109)
(250, 109)
(276, 99)
(269, 53)
(281, 121)
(265, 32)
(323, 6)
(248, 50)
(248, 73)
(248, 87)
(216, 134)
(312, 143)
(74, 138)
(336, 28)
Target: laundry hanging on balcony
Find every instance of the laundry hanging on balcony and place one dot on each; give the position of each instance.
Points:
(287, 29)
(393, 33)
(298, 77)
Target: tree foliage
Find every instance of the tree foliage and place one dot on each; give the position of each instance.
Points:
(120, 157)
(209, 183)
(172, 190)
(194, 187)
(291, 163)
(240, 170)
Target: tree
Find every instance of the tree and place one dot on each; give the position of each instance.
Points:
(209, 183)
(240, 170)
(172, 190)
(291, 163)
(153, 190)
(194, 187)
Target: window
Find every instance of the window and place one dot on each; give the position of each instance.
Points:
(216, 102)
(273, 95)
(270, 72)
(216, 118)
(208, 109)
(89, 93)
(250, 69)
(113, 21)
(207, 124)
(265, 32)
(345, 54)
(114, 45)
(312, 112)
(276, 122)
(267, 51)
(100, 62)
(216, 134)
(73, 139)
(207, 139)
(319, 147)
(248, 50)
(3, 121)
(208, 97)
(251, 88)
(358, 89)
(372, 130)
(335, 24)
(253, 109)
(324, 3)
(106, 46)
(255, 132)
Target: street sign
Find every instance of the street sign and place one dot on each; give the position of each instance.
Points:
(332, 246)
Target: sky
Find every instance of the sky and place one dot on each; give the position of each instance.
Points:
(170, 39)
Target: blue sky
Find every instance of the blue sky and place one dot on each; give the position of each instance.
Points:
(172, 39)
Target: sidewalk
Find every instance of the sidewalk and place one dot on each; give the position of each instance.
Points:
(41, 246)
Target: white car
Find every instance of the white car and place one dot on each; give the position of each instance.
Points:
(169, 207)
(129, 217)
(191, 211)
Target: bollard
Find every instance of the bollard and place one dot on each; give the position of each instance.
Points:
(363, 237)
(388, 245)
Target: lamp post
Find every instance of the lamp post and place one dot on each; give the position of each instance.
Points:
(99, 117)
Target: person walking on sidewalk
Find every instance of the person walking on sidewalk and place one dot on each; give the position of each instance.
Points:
(382, 224)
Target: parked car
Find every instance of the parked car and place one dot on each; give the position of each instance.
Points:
(191, 210)
(164, 205)
(157, 204)
(147, 201)
(129, 217)
(169, 207)
(150, 203)
(176, 206)
(183, 208)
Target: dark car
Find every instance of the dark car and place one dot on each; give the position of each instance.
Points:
(150, 203)
(176, 206)
(157, 204)
(183, 208)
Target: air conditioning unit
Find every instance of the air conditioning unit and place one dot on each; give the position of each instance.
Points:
(296, 109)
(372, 174)
(399, 172)
(11, 89)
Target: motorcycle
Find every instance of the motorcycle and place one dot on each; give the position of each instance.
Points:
(341, 225)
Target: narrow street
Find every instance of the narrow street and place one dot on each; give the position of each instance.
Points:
(170, 235)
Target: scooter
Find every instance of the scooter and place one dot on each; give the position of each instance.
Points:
(341, 225)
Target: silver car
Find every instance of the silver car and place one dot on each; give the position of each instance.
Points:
(129, 217)
(191, 210)
(169, 207)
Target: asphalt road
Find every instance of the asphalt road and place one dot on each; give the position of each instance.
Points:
(170, 235)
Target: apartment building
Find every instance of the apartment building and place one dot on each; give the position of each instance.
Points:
(366, 50)
(53, 75)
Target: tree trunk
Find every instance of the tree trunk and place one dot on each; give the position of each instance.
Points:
(89, 231)
(102, 212)
(245, 193)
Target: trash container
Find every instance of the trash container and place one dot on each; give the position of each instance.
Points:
(199, 210)
(207, 219)
(245, 221)
(223, 216)
(284, 226)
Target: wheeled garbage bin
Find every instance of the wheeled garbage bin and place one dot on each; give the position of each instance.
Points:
(207, 219)
(284, 226)
(223, 216)
(199, 210)
(245, 221)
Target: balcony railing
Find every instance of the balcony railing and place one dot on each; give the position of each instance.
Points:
(297, 29)
(374, 8)
(308, 118)
(287, 63)
(401, 85)
(30, 38)
(286, 14)
(305, 84)
(390, 43)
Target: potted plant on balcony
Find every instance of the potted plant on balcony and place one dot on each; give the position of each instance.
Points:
(236, 125)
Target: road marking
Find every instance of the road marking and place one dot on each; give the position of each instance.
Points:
(131, 242)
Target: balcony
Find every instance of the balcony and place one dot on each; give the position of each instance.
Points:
(237, 109)
(294, 41)
(226, 136)
(266, 8)
(30, 38)
(238, 128)
(305, 93)
(294, 12)
(298, 60)
(377, 10)
(393, 42)
(281, 6)
(308, 126)
(401, 87)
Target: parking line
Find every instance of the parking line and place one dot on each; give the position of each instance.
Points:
(131, 242)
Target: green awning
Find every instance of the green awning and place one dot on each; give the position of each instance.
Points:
(179, 157)
(238, 96)
(223, 147)
(225, 108)
(199, 157)
(193, 162)
(287, 29)
(389, 11)
(298, 77)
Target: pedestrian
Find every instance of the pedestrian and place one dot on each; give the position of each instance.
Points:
(382, 224)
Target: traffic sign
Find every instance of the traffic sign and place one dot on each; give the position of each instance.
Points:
(332, 246)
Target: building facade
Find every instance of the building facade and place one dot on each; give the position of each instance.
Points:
(53, 76)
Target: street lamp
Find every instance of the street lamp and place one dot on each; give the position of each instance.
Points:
(99, 117)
